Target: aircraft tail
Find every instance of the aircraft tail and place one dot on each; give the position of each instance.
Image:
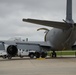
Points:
(61, 25)
(69, 12)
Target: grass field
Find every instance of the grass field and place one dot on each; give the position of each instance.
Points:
(63, 52)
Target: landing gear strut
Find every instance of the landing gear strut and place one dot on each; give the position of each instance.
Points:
(54, 55)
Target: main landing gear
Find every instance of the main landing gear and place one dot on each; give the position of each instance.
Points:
(54, 55)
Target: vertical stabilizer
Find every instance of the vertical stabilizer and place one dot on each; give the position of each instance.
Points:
(69, 12)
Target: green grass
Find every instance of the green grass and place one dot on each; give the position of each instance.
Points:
(63, 52)
(66, 53)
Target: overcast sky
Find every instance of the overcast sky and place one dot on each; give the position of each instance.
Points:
(13, 11)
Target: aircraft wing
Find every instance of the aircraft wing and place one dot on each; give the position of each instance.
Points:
(60, 25)
(44, 45)
(41, 43)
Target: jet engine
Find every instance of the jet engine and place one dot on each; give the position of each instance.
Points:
(46, 32)
(12, 50)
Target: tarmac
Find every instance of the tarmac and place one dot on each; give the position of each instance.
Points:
(49, 66)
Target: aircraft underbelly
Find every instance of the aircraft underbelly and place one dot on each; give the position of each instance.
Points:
(61, 39)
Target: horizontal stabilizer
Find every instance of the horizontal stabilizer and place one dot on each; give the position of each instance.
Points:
(60, 25)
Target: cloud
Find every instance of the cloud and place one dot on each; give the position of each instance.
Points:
(13, 11)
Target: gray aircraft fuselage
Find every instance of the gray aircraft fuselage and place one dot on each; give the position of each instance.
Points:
(63, 34)
(61, 39)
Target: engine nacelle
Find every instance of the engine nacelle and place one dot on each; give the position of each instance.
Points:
(12, 50)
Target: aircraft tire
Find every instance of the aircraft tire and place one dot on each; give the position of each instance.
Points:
(4, 57)
(21, 56)
(37, 54)
(9, 57)
(31, 55)
(54, 55)
(43, 54)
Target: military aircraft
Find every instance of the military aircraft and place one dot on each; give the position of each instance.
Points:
(63, 34)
